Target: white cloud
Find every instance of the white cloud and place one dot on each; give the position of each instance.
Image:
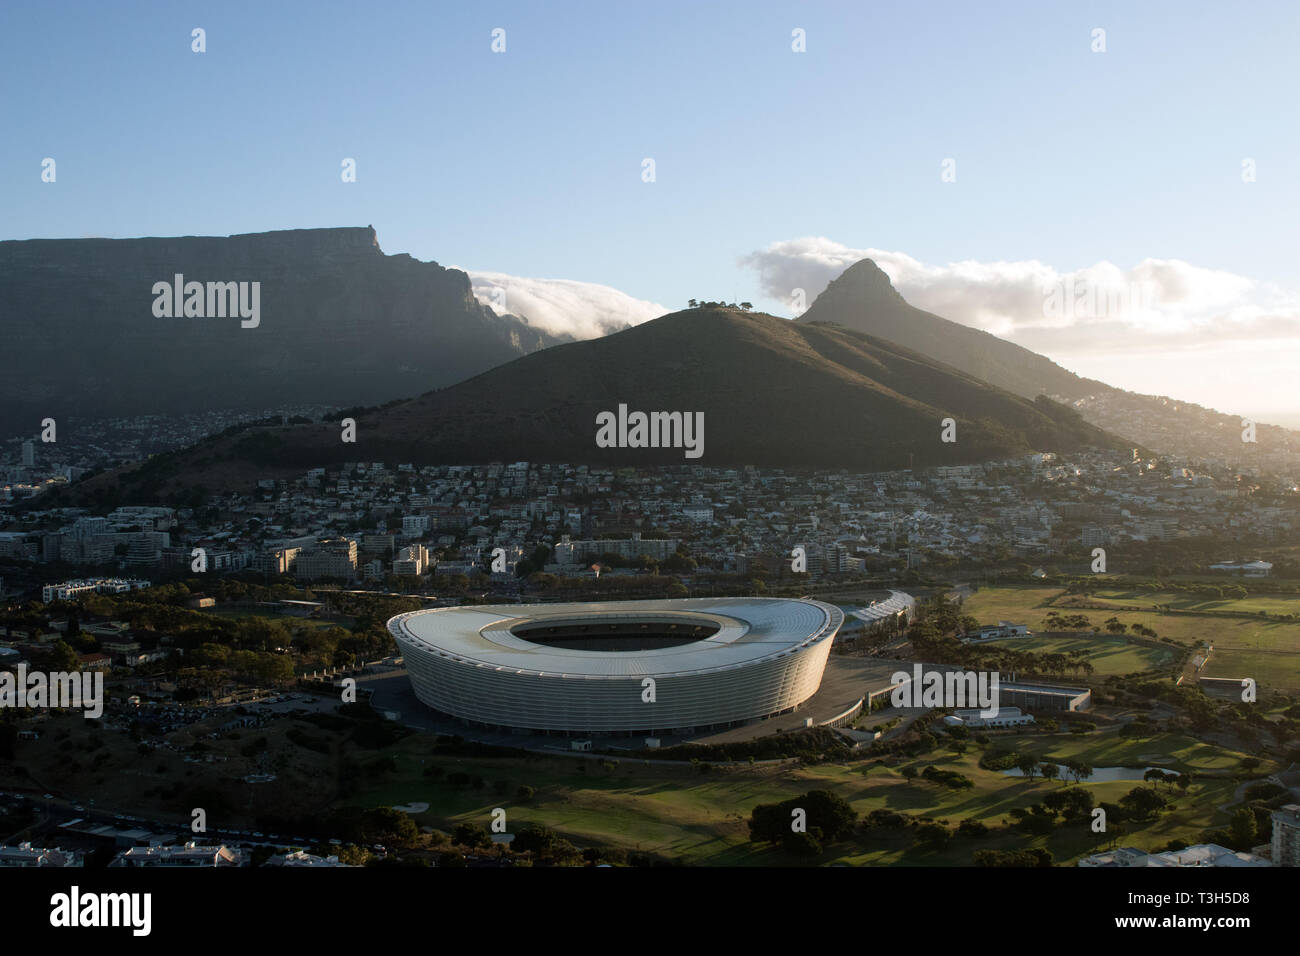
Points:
(1159, 326)
(1158, 303)
(583, 310)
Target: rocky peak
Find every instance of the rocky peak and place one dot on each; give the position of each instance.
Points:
(865, 281)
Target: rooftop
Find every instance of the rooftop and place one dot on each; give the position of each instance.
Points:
(748, 630)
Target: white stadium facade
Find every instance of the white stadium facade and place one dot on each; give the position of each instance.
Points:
(584, 668)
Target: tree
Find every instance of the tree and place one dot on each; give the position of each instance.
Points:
(386, 825)
(1038, 823)
(1243, 829)
(1050, 770)
(64, 658)
(353, 855)
(678, 563)
(1078, 770)
(472, 835)
(1074, 804)
(828, 816)
(801, 844)
(535, 838)
(1028, 765)
(1143, 803)
(932, 835)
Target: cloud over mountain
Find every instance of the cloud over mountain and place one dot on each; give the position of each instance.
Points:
(1158, 303)
(583, 310)
(1226, 335)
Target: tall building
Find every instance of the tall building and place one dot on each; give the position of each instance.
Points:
(277, 560)
(1286, 835)
(29, 453)
(575, 552)
(1094, 537)
(333, 558)
(413, 560)
(378, 544)
(144, 551)
(415, 525)
(84, 527)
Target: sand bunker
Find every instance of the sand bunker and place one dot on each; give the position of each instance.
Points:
(412, 808)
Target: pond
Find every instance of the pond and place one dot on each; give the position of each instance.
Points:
(1100, 774)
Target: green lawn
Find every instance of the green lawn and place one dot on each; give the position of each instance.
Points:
(1271, 669)
(1270, 603)
(701, 818)
(1020, 605)
(1266, 650)
(241, 613)
(1108, 654)
(1108, 749)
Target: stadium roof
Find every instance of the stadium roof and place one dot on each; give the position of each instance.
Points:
(749, 630)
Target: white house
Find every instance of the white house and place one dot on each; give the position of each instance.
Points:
(1005, 717)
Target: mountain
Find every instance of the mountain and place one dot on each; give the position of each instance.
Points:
(339, 323)
(772, 393)
(864, 299)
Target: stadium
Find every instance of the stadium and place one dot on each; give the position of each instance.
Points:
(584, 668)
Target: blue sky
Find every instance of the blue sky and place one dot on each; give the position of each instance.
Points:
(529, 162)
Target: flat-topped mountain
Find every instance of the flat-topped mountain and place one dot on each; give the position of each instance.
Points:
(338, 323)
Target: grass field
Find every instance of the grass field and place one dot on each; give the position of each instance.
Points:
(701, 818)
(1272, 670)
(1252, 604)
(1110, 655)
(1266, 650)
(669, 810)
(1023, 605)
(243, 613)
